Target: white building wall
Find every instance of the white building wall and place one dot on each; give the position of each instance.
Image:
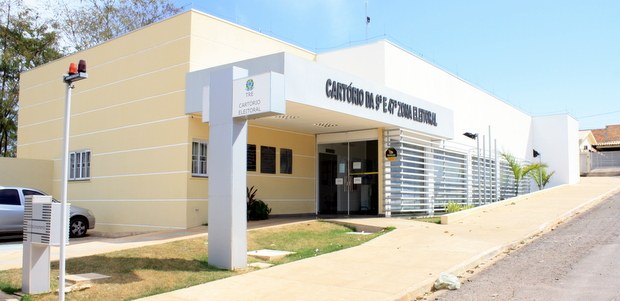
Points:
(366, 61)
(586, 140)
(474, 110)
(556, 138)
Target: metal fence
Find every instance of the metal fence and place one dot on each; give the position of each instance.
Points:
(429, 174)
(595, 160)
(605, 159)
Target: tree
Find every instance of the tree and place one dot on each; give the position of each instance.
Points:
(24, 43)
(541, 177)
(95, 21)
(27, 41)
(519, 171)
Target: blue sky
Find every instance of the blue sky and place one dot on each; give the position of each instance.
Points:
(543, 57)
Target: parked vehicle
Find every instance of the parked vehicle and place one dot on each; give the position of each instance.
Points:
(12, 212)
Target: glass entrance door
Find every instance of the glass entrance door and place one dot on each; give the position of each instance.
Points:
(348, 178)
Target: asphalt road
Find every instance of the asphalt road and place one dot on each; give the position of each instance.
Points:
(578, 260)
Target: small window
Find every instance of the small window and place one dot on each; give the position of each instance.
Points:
(79, 165)
(251, 157)
(9, 197)
(199, 158)
(267, 159)
(286, 161)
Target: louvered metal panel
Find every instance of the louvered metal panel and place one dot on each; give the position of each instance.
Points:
(430, 173)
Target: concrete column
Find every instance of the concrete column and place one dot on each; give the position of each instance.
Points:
(36, 268)
(226, 163)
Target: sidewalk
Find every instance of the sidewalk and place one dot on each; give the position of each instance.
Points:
(399, 265)
(404, 263)
(12, 258)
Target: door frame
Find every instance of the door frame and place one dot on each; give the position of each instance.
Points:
(349, 137)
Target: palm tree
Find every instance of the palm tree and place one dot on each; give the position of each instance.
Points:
(519, 171)
(541, 177)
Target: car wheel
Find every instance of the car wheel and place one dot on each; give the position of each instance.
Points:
(78, 227)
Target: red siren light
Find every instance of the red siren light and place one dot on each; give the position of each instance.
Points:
(73, 69)
(82, 66)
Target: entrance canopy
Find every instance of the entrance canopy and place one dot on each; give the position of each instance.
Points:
(324, 100)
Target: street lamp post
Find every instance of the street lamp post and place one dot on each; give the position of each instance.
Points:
(75, 74)
(540, 179)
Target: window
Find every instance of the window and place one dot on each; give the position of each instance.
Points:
(79, 165)
(199, 158)
(286, 160)
(251, 157)
(267, 159)
(9, 197)
(28, 192)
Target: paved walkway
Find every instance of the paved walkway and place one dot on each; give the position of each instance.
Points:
(400, 265)
(404, 263)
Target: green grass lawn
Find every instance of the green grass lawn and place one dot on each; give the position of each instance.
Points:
(161, 268)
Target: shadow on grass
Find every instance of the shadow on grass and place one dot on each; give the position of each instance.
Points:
(122, 269)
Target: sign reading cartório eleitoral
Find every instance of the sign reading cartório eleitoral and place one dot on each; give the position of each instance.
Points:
(259, 96)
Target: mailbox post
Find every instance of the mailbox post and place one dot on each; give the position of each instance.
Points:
(41, 219)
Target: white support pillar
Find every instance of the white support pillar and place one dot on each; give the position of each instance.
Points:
(226, 163)
(35, 268)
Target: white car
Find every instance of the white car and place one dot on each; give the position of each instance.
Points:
(12, 212)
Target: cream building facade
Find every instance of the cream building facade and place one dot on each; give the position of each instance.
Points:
(139, 144)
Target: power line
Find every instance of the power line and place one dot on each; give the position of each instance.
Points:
(599, 114)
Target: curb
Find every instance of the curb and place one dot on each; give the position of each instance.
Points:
(421, 288)
(454, 217)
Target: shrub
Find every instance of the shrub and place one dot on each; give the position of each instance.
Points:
(257, 209)
(456, 207)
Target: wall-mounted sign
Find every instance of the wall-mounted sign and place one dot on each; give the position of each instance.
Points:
(391, 154)
(259, 96)
(357, 180)
(377, 102)
(316, 85)
(339, 181)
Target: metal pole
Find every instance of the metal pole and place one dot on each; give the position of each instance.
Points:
(478, 155)
(540, 172)
(63, 195)
(490, 169)
(484, 162)
(366, 11)
(349, 179)
(496, 168)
